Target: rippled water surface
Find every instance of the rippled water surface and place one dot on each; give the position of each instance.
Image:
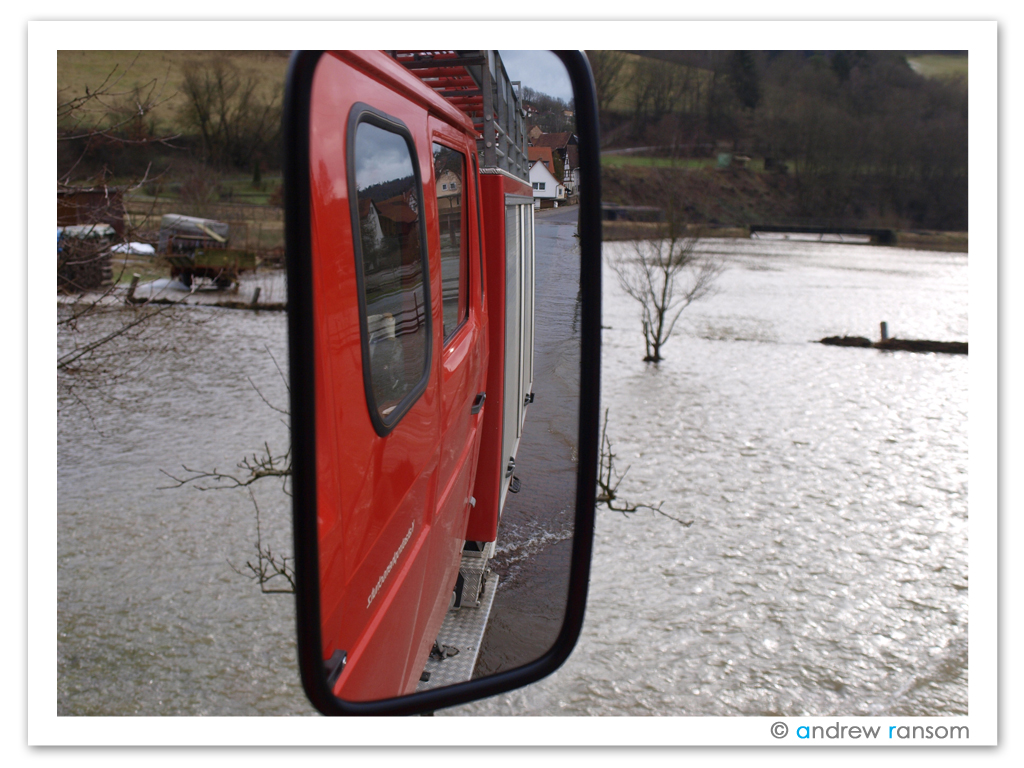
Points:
(824, 570)
(151, 617)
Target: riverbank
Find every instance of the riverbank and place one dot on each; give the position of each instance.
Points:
(725, 202)
(612, 231)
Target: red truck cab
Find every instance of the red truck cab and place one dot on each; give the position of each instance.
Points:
(421, 274)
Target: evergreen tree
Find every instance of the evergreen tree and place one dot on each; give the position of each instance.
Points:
(744, 79)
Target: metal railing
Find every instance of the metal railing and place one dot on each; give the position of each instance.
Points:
(476, 83)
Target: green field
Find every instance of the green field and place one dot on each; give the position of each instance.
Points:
(688, 163)
(940, 66)
(240, 189)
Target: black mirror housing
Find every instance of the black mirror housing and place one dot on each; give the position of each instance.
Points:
(374, 315)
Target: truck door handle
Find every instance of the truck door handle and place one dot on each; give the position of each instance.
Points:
(478, 403)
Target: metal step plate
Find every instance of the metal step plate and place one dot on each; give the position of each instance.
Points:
(462, 629)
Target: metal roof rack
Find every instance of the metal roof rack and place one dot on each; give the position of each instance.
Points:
(477, 84)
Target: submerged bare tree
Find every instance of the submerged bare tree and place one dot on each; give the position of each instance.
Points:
(664, 276)
(608, 481)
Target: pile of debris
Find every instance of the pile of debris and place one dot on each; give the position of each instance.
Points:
(83, 257)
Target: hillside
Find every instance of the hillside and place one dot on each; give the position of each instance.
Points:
(706, 196)
(161, 70)
(856, 136)
(725, 202)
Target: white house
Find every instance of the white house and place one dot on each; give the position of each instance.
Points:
(448, 184)
(545, 185)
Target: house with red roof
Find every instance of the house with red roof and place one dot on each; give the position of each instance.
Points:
(564, 147)
(546, 185)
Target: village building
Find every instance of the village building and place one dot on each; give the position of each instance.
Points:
(547, 190)
(449, 206)
(543, 155)
(564, 147)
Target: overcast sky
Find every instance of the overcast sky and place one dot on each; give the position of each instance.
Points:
(380, 156)
(540, 70)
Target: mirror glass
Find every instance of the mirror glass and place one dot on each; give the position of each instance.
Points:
(177, 464)
(444, 306)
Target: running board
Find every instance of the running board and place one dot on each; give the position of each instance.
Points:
(463, 629)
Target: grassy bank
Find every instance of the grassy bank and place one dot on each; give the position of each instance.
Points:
(705, 196)
(638, 161)
(740, 197)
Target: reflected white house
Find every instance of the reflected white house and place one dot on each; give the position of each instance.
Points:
(545, 185)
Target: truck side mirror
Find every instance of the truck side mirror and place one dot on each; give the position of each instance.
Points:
(444, 342)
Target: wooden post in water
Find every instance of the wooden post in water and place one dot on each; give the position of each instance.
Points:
(255, 298)
(131, 288)
(885, 330)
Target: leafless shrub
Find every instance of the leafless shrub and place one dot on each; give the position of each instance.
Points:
(664, 277)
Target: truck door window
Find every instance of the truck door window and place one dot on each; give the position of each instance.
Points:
(391, 251)
(449, 178)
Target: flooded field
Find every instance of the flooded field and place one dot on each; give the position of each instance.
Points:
(825, 568)
(151, 616)
(824, 571)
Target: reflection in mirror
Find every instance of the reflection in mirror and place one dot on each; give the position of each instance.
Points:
(390, 231)
(449, 172)
(446, 305)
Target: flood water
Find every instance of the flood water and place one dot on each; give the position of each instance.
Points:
(824, 571)
(151, 617)
(825, 568)
(534, 546)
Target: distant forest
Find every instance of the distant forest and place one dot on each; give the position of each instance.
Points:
(851, 135)
(853, 129)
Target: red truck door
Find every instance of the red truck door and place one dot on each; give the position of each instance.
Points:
(401, 330)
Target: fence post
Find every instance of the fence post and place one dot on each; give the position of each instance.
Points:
(131, 288)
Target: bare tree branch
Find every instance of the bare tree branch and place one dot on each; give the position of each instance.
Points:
(607, 67)
(608, 481)
(268, 566)
(284, 378)
(251, 469)
(65, 361)
(100, 340)
(106, 111)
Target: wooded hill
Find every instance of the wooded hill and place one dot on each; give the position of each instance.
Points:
(859, 135)
(839, 136)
